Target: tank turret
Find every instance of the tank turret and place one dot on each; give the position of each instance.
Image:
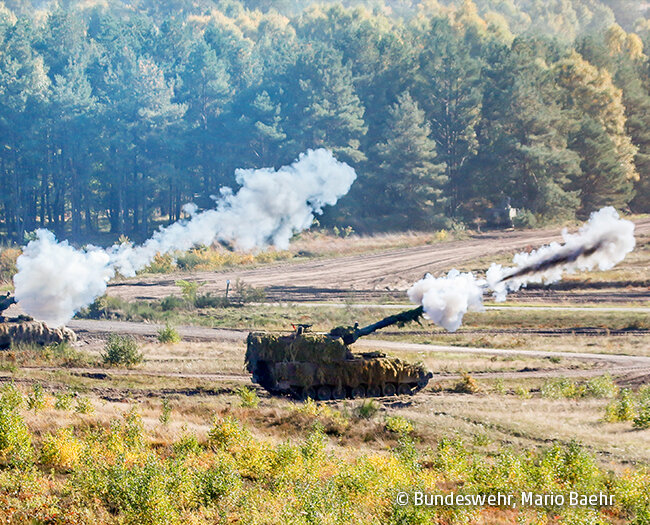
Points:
(5, 302)
(322, 366)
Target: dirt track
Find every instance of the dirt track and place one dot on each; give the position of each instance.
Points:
(373, 275)
(613, 363)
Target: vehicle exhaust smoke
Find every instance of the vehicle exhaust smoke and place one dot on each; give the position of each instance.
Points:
(55, 280)
(601, 243)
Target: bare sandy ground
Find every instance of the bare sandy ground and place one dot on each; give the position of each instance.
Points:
(378, 275)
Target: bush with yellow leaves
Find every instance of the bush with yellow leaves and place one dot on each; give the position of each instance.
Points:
(61, 449)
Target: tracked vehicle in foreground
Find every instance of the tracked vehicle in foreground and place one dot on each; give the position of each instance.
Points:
(322, 366)
(24, 330)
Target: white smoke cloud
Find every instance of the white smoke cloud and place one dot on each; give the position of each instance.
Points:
(447, 299)
(601, 243)
(55, 280)
(267, 210)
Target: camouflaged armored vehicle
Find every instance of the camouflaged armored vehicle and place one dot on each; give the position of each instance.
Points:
(24, 330)
(322, 366)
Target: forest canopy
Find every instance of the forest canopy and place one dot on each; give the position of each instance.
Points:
(113, 115)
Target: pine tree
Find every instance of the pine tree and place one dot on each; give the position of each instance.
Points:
(323, 109)
(449, 92)
(592, 99)
(411, 180)
(523, 152)
(603, 181)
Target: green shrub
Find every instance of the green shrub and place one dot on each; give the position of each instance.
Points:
(168, 334)
(642, 419)
(15, 439)
(559, 388)
(523, 392)
(189, 289)
(64, 355)
(36, 398)
(121, 350)
(367, 409)
(248, 294)
(398, 425)
(314, 444)
(248, 397)
(11, 397)
(63, 400)
(219, 481)
(209, 300)
(189, 260)
(172, 302)
(84, 406)
(601, 387)
(563, 388)
(166, 411)
(525, 219)
(143, 494)
(227, 433)
(103, 307)
(622, 409)
(186, 445)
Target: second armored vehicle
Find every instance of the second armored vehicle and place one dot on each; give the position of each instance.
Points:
(24, 330)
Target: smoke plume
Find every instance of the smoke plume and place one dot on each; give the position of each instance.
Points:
(55, 280)
(447, 299)
(601, 243)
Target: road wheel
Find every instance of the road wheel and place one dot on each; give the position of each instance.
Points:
(389, 389)
(324, 393)
(358, 392)
(404, 389)
(373, 391)
(338, 392)
(308, 393)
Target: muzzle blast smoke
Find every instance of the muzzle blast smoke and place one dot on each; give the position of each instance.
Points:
(601, 243)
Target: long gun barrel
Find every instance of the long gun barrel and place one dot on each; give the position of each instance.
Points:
(350, 334)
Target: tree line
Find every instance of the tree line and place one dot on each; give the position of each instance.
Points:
(112, 117)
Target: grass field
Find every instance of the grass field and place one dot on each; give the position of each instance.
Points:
(181, 435)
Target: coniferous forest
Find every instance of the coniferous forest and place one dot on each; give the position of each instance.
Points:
(115, 114)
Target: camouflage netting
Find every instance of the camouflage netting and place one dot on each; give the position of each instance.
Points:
(349, 373)
(296, 347)
(307, 360)
(16, 331)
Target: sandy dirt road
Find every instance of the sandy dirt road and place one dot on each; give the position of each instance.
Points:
(373, 275)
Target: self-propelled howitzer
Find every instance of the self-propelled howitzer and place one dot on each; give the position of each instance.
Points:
(322, 366)
(25, 330)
